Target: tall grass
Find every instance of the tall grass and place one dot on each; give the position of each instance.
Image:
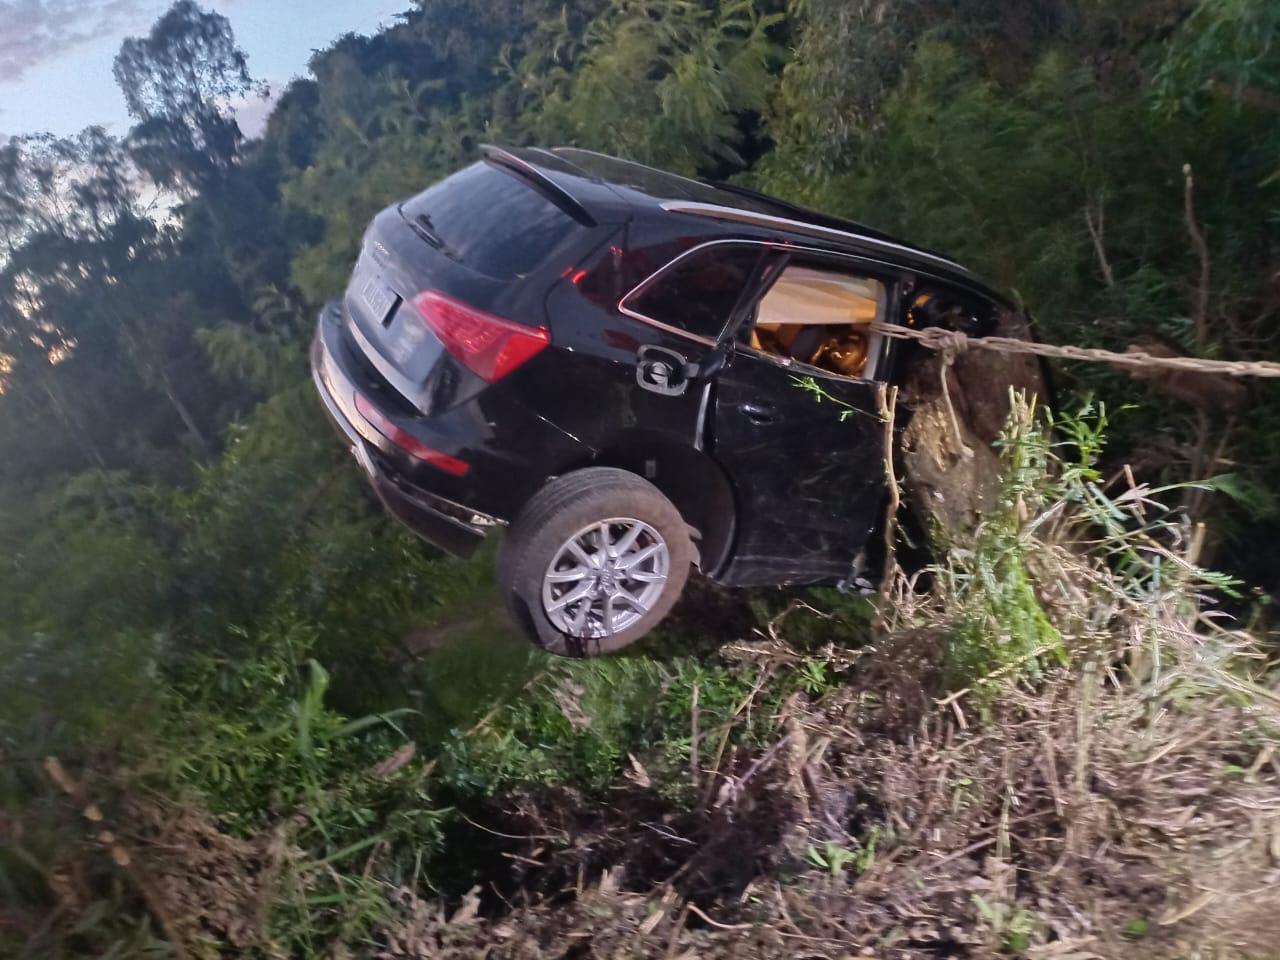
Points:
(1091, 708)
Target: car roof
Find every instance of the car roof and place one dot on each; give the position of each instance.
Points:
(612, 189)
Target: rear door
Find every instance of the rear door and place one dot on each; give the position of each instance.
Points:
(628, 360)
(805, 450)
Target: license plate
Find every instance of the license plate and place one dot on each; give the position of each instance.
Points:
(379, 298)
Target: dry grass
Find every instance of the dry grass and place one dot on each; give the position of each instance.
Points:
(214, 890)
(1110, 788)
(1106, 786)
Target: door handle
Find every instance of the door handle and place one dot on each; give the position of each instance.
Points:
(759, 413)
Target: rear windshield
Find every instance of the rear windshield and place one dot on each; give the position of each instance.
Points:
(490, 220)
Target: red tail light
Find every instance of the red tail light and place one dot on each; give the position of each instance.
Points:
(488, 346)
(410, 445)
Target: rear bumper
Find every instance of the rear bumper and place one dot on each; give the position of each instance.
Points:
(452, 527)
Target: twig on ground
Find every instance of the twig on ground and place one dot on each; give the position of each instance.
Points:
(563, 838)
(734, 786)
(693, 908)
(727, 730)
(676, 929)
(120, 856)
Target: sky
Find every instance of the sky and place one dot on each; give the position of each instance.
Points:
(56, 55)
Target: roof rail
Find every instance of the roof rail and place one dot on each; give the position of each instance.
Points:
(567, 151)
(797, 212)
(755, 219)
(561, 197)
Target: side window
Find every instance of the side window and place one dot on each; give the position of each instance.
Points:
(697, 292)
(821, 317)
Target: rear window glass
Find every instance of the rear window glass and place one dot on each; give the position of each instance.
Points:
(491, 220)
(698, 292)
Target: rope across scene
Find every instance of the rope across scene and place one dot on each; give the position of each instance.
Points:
(936, 338)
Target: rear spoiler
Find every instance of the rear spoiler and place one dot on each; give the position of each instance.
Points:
(540, 181)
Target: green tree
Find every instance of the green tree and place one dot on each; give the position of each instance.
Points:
(666, 82)
(176, 82)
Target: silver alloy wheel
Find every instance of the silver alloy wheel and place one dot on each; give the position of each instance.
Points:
(605, 578)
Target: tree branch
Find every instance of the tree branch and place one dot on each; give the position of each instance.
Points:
(1249, 96)
(1201, 314)
(1097, 233)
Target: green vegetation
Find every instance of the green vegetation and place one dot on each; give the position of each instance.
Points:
(282, 727)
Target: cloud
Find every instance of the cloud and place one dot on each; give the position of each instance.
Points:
(251, 111)
(33, 32)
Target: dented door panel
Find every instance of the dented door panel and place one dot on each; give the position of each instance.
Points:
(808, 472)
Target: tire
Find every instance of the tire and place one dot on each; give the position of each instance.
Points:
(597, 504)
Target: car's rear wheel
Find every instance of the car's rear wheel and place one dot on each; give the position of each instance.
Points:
(594, 562)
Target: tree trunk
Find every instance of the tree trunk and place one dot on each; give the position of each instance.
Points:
(149, 364)
(183, 412)
(951, 466)
(72, 424)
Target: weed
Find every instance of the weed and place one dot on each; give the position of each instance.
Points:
(836, 858)
(1137, 928)
(1011, 926)
(820, 395)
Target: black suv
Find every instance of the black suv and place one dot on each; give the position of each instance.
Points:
(612, 361)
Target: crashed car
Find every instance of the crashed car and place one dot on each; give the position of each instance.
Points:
(633, 373)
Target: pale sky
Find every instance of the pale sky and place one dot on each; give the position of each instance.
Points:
(55, 55)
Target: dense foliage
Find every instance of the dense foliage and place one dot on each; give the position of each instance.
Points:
(198, 600)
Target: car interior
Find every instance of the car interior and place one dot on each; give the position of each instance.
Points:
(822, 319)
(933, 309)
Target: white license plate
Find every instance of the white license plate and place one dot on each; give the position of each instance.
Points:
(379, 298)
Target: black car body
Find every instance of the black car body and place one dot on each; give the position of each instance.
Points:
(544, 312)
